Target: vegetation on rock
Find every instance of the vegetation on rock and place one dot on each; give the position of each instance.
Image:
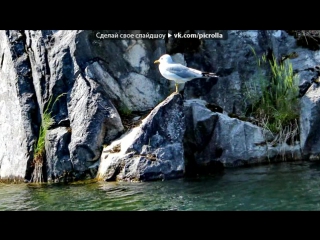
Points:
(40, 151)
(273, 99)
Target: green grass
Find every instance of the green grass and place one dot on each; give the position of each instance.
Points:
(273, 99)
(40, 151)
(124, 111)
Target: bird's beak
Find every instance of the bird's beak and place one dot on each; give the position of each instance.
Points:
(156, 61)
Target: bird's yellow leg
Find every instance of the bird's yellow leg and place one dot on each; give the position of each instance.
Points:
(176, 87)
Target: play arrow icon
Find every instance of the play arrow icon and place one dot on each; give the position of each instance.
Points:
(169, 35)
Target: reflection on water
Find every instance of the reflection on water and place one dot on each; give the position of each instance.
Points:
(282, 186)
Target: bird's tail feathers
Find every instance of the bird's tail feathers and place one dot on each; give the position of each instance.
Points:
(208, 74)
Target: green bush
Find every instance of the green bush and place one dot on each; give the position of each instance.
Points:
(274, 99)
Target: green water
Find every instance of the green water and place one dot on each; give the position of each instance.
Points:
(282, 186)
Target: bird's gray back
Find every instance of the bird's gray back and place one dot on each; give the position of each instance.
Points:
(183, 71)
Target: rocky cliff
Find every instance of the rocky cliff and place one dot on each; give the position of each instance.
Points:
(115, 118)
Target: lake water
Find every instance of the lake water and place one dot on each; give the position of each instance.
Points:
(289, 186)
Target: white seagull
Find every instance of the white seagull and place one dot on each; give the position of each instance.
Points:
(179, 73)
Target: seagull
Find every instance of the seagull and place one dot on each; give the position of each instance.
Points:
(179, 73)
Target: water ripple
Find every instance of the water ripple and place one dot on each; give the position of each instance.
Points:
(277, 187)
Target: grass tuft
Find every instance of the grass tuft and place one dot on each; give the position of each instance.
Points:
(40, 151)
(273, 99)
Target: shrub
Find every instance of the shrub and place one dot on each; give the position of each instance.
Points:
(274, 99)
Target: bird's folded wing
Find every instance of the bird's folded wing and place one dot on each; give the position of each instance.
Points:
(183, 71)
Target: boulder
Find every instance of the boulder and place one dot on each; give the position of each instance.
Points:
(309, 122)
(150, 151)
(212, 137)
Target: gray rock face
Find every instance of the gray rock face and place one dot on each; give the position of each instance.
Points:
(46, 64)
(309, 122)
(129, 91)
(215, 137)
(93, 121)
(233, 61)
(18, 118)
(100, 78)
(57, 152)
(124, 68)
(57, 68)
(236, 65)
(151, 151)
(36, 47)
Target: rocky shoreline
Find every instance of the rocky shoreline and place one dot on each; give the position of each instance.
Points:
(105, 81)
